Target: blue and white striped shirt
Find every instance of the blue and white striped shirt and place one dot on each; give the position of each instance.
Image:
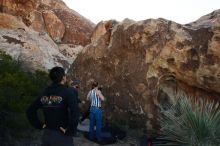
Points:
(95, 100)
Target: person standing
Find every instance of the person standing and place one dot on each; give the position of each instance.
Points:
(75, 84)
(60, 110)
(86, 114)
(95, 96)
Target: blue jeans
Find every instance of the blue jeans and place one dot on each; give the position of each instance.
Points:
(95, 117)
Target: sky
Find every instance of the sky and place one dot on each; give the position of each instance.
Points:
(180, 11)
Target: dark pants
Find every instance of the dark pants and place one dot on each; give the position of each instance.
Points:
(85, 115)
(56, 138)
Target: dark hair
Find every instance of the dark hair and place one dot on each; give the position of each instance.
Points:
(100, 88)
(75, 82)
(57, 74)
(94, 84)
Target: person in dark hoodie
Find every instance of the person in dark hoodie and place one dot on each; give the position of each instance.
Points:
(60, 109)
(75, 84)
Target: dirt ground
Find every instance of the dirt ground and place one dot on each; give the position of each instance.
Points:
(132, 137)
(127, 141)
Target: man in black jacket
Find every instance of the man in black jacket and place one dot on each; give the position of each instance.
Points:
(75, 84)
(60, 109)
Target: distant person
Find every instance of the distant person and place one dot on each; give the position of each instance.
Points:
(60, 110)
(95, 96)
(75, 84)
(85, 115)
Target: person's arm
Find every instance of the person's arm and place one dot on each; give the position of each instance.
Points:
(88, 95)
(78, 99)
(99, 93)
(33, 116)
(72, 102)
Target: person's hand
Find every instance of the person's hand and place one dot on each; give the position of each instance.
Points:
(44, 126)
(63, 130)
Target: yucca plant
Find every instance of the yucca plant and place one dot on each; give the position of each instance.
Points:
(191, 123)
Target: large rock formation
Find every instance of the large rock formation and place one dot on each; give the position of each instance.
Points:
(146, 64)
(40, 16)
(19, 7)
(78, 29)
(35, 50)
(10, 22)
(54, 26)
(35, 23)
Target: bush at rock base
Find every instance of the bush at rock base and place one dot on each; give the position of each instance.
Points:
(18, 88)
(192, 123)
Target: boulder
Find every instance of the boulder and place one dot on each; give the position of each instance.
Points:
(11, 22)
(29, 22)
(147, 64)
(36, 21)
(52, 17)
(35, 50)
(54, 26)
(18, 7)
(103, 28)
(78, 29)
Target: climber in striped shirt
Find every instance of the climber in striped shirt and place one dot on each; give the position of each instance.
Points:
(95, 96)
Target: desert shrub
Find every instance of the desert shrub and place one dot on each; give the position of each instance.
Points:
(18, 87)
(191, 123)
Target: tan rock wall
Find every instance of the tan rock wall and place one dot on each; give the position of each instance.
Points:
(36, 21)
(42, 20)
(10, 22)
(78, 29)
(52, 17)
(148, 63)
(54, 26)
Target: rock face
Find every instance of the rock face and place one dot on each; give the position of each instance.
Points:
(33, 23)
(19, 7)
(35, 49)
(10, 22)
(70, 51)
(146, 64)
(40, 16)
(54, 26)
(36, 21)
(78, 29)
